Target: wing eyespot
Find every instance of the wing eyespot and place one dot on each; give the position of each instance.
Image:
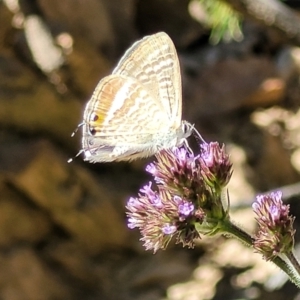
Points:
(93, 131)
(94, 117)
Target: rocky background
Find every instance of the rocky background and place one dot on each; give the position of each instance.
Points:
(63, 232)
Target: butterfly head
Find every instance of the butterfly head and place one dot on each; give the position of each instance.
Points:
(183, 132)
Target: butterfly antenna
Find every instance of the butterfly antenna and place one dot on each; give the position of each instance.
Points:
(71, 159)
(75, 131)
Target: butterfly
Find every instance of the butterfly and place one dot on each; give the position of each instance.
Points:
(136, 111)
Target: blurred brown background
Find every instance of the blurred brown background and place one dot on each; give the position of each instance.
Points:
(63, 232)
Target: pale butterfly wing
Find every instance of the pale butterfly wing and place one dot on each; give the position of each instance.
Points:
(136, 111)
(117, 130)
(153, 61)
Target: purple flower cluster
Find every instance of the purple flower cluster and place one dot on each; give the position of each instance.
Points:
(187, 195)
(215, 164)
(275, 234)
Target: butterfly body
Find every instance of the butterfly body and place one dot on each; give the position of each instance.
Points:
(136, 111)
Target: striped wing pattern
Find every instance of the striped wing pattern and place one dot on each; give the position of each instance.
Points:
(136, 111)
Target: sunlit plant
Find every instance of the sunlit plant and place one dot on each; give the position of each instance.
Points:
(188, 199)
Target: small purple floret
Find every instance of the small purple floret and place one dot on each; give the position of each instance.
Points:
(186, 208)
(169, 229)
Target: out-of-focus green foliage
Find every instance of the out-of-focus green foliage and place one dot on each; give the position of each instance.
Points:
(223, 21)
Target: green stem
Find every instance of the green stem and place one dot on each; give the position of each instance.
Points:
(229, 227)
(295, 264)
(293, 273)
